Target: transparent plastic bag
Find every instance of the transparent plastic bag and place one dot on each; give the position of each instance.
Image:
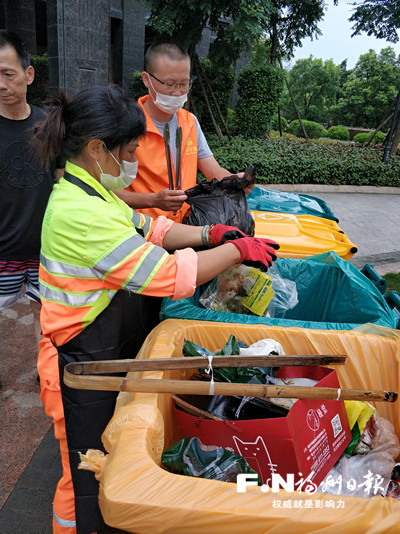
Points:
(235, 290)
(369, 474)
(285, 297)
(225, 292)
(239, 289)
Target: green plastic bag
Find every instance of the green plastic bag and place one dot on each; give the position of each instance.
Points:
(240, 375)
(191, 457)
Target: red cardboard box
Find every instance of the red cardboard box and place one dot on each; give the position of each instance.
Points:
(311, 438)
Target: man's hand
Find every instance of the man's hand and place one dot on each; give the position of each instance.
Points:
(249, 189)
(169, 199)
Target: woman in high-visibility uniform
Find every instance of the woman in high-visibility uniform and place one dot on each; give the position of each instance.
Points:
(100, 261)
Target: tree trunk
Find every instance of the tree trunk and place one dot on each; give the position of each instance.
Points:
(389, 140)
(384, 121)
(296, 110)
(217, 128)
(280, 121)
(203, 73)
(274, 56)
(396, 138)
(294, 104)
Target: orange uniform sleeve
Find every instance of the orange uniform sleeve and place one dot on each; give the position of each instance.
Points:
(158, 230)
(186, 274)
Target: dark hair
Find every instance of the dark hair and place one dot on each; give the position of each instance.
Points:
(103, 112)
(174, 51)
(14, 40)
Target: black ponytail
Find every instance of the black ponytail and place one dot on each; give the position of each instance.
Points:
(103, 112)
(49, 134)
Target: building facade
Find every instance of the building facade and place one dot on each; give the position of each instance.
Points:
(88, 42)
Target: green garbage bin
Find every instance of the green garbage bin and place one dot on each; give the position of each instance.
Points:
(332, 295)
(284, 202)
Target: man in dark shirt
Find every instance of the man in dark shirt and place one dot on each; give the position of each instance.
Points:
(25, 185)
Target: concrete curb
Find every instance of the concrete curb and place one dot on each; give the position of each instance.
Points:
(383, 263)
(321, 188)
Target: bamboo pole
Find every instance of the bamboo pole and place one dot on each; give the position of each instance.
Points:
(192, 387)
(198, 362)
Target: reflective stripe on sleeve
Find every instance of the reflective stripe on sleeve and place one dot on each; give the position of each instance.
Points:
(57, 267)
(141, 221)
(72, 299)
(146, 268)
(65, 523)
(120, 253)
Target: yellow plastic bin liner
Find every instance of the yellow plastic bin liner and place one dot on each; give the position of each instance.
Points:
(137, 495)
(303, 235)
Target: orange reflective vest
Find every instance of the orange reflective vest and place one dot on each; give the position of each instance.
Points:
(152, 175)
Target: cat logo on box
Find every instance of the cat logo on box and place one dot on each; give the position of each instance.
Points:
(312, 420)
(277, 482)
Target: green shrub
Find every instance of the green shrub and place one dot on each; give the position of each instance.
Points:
(299, 162)
(313, 129)
(231, 120)
(275, 123)
(274, 134)
(259, 90)
(364, 137)
(338, 132)
(138, 88)
(38, 92)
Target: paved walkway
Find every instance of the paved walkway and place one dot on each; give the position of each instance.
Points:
(29, 457)
(372, 223)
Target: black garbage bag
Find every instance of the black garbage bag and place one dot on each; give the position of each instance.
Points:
(221, 202)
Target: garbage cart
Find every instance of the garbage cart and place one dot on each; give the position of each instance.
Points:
(137, 495)
(284, 202)
(332, 295)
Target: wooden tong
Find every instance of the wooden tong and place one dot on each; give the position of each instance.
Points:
(168, 155)
(78, 376)
(178, 142)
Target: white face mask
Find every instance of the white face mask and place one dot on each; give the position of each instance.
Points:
(168, 103)
(126, 175)
(130, 168)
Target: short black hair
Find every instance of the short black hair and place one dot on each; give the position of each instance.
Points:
(174, 51)
(12, 39)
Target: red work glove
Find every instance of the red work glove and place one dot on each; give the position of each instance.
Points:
(255, 251)
(220, 233)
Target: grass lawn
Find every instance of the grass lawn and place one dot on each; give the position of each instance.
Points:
(393, 280)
